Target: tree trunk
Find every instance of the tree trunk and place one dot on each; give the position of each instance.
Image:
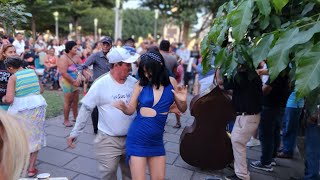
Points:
(180, 30)
(33, 27)
(186, 28)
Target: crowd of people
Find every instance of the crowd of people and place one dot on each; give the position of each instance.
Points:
(129, 92)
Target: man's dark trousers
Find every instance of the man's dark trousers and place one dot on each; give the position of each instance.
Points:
(94, 116)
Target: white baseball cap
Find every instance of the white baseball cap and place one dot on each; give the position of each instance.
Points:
(119, 54)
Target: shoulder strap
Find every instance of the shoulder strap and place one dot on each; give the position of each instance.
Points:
(72, 60)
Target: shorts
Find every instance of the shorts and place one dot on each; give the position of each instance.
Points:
(67, 87)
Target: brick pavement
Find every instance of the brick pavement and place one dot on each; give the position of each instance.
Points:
(80, 163)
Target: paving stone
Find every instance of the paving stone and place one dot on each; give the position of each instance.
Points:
(83, 149)
(258, 176)
(181, 163)
(171, 137)
(55, 171)
(202, 176)
(86, 138)
(55, 157)
(177, 173)
(253, 155)
(171, 157)
(172, 147)
(56, 142)
(58, 131)
(282, 172)
(84, 177)
(85, 166)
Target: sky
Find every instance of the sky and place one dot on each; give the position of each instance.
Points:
(132, 4)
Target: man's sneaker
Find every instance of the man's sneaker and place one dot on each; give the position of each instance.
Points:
(232, 177)
(273, 162)
(253, 142)
(258, 165)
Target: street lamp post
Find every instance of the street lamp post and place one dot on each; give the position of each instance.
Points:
(116, 27)
(70, 28)
(79, 29)
(99, 32)
(56, 18)
(95, 23)
(156, 16)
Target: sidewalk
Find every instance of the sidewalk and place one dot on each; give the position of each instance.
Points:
(80, 163)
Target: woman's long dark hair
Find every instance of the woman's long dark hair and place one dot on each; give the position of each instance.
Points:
(153, 62)
(14, 62)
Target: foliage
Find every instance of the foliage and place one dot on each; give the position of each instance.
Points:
(283, 32)
(184, 13)
(137, 22)
(12, 13)
(105, 21)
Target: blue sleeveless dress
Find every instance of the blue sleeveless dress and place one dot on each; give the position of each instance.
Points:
(145, 135)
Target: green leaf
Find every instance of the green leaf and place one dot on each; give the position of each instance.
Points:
(222, 35)
(260, 52)
(307, 8)
(264, 7)
(220, 10)
(278, 57)
(305, 36)
(241, 19)
(214, 32)
(220, 58)
(264, 23)
(308, 71)
(279, 4)
(275, 21)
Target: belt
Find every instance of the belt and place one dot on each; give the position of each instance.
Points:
(246, 113)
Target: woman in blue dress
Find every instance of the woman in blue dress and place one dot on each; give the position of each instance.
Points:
(152, 97)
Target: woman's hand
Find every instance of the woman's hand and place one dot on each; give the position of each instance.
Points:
(181, 93)
(119, 105)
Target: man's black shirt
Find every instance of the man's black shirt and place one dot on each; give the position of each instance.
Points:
(279, 94)
(247, 94)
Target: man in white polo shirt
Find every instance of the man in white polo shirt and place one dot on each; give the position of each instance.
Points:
(113, 124)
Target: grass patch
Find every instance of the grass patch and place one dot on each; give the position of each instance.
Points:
(55, 103)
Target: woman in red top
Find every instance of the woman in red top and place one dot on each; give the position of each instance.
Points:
(50, 72)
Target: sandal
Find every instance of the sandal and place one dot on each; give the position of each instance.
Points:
(284, 155)
(32, 173)
(178, 125)
(67, 125)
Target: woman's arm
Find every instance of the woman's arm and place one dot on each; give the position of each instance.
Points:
(8, 98)
(180, 95)
(132, 106)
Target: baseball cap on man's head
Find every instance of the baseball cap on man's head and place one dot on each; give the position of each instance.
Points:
(106, 39)
(119, 54)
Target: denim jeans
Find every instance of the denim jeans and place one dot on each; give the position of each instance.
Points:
(312, 152)
(290, 127)
(269, 133)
